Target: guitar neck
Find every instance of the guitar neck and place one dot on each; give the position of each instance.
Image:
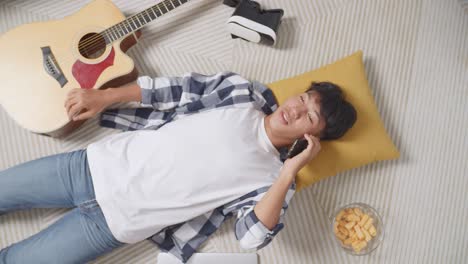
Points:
(137, 21)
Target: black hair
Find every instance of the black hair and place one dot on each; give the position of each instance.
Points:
(338, 113)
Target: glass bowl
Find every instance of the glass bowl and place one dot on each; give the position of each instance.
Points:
(373, 243)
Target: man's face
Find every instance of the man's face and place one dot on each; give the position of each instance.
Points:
(298, 115)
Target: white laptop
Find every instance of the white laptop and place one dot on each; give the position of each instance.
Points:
(211, 258)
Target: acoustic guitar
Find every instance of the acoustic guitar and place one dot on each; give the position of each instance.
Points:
(41, 62)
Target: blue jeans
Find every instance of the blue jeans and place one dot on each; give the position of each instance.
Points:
(57, 181)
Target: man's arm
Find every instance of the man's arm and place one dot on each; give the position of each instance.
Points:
(255, 231)
(190, 93)
(269, 208)
(85, 103)
(130, 92)
(253, 227)
(193, 91)
(166, 93)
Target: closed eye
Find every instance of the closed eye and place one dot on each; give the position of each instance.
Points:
(308, 114)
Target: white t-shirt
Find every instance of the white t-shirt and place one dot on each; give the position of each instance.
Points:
(146, 180)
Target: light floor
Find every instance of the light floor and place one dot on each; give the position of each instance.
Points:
(416, 56)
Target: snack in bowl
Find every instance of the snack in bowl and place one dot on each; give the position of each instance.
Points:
(358, 228)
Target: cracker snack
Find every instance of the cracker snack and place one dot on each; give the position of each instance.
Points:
(354, 228)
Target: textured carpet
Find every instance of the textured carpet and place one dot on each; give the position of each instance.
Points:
(416, 56)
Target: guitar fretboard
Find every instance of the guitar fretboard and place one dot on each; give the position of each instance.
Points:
(137, 21)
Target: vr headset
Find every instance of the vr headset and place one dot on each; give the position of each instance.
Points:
(251, 23)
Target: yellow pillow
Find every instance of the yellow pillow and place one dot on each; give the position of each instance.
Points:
(366, 142)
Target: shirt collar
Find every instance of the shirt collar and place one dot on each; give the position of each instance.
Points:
(281, 153)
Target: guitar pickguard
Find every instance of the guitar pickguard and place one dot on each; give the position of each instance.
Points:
(87, 74)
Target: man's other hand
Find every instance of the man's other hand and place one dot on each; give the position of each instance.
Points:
(85, 103)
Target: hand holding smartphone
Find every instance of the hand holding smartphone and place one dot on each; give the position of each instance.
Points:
(297, 147)
(293, 164)
(307, 148)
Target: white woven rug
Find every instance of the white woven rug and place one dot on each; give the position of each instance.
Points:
(416, 55)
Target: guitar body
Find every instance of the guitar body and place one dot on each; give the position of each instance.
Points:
(33, 91)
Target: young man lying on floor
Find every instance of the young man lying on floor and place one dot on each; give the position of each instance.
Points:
(201, 148)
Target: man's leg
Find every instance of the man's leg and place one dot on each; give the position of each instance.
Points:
(61, 181)
(80, 236)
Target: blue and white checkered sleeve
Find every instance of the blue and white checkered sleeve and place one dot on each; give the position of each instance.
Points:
(167, 93)
(251, 232)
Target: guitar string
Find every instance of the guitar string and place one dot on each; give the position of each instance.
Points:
(110, 33)
(94, 41)
(69, 59)
(127, 22)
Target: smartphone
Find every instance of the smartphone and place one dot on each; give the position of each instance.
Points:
(297, 147)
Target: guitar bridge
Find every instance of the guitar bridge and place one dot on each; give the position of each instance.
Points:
(51, 66)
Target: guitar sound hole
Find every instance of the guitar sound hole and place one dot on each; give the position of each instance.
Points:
(92, 45)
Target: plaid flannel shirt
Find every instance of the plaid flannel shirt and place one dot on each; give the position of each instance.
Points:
(165, 99)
